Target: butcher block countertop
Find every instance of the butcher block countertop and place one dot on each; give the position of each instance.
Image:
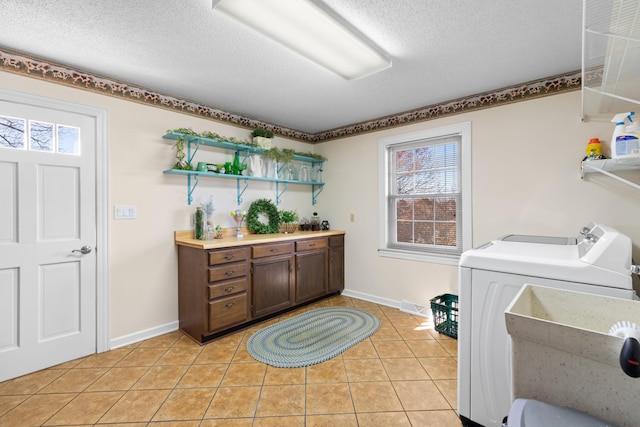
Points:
(185, 238)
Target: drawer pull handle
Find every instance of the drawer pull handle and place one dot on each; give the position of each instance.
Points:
(228, 257)
(311, 245)
(229, 289)
(229, 305)
(229, 273)
(273, 250)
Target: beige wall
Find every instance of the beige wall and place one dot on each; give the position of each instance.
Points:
(143, 262)
(525, 180)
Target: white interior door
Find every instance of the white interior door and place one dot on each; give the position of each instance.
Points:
(47, 237)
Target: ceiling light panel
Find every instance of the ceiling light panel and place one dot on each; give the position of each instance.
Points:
(307, 29)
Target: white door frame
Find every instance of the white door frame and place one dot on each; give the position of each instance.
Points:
(102, 198)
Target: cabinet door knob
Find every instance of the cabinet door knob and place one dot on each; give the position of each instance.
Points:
(229, 305)
(229, 289)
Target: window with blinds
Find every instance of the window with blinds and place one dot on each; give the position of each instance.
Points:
(424, 193)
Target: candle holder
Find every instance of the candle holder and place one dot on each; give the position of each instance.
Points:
(238, 217)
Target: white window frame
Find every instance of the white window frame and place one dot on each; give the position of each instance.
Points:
(384, 167)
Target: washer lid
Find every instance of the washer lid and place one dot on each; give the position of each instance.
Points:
(545, 240)
(551, 261)
(600, 256)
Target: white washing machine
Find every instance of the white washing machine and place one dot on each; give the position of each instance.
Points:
(598, 261)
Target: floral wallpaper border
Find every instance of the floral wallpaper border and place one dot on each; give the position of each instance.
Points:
(21, 64)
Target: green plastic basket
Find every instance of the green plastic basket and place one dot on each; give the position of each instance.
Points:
(445, 314)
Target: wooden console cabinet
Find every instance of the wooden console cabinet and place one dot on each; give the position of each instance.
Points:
(225, 286)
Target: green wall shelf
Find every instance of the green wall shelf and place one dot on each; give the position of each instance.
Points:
(242, 182)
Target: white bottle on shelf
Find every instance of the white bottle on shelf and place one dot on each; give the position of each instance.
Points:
(624, 143)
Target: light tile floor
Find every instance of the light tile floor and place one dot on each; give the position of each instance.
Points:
(403, 375)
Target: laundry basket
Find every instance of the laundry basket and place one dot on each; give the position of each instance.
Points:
(445, 314)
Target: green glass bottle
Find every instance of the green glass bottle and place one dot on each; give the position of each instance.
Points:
(198, 231)
(235, 167)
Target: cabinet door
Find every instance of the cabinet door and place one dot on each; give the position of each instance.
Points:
(311, 275)
(271, 284)
(336, 268)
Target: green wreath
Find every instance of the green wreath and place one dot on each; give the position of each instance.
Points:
(263, 206)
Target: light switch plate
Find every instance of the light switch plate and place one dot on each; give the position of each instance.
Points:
(124, 212)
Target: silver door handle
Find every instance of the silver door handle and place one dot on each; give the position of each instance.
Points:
(83, 250)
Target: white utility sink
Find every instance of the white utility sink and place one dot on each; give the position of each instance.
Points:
(562, 353)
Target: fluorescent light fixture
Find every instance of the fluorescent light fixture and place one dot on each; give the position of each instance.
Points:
(312, 32)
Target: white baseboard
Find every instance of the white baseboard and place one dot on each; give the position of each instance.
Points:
(407, 307)
(416, 309)
(143, 335)
(371, 298)
(412, 308)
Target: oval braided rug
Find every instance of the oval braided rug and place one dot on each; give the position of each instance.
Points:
(312, 337)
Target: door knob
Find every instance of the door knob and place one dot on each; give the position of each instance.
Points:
(83, 250)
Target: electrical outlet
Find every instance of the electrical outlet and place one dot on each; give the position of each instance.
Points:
(352, 217)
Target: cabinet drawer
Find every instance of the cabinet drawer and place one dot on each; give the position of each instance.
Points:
(227, 311)
(227, 272)
(271, 250)
(227, 255)
(227, 288)
(336, 241)
(305, 245)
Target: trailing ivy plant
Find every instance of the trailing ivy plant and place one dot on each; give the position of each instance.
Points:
(284, 155)
(231, 139)
(287, 155)
(181, 163)
(184, 131)
(281, 156)
(313, 156)
(211, 135)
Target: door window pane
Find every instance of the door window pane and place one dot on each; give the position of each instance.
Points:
(68, 140)
(40, 136)
(12, 132)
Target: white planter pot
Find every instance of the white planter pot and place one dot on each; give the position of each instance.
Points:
(262, 142)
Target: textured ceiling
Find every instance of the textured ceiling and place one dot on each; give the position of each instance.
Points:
(440, 49)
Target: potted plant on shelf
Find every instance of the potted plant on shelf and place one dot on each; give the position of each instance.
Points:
(262, 137)
(288, 221)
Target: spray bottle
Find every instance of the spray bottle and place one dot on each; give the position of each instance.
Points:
(625, 142)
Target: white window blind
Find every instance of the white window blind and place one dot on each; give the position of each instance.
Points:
(423, 193)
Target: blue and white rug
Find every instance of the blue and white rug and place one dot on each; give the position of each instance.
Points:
(311, 337)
